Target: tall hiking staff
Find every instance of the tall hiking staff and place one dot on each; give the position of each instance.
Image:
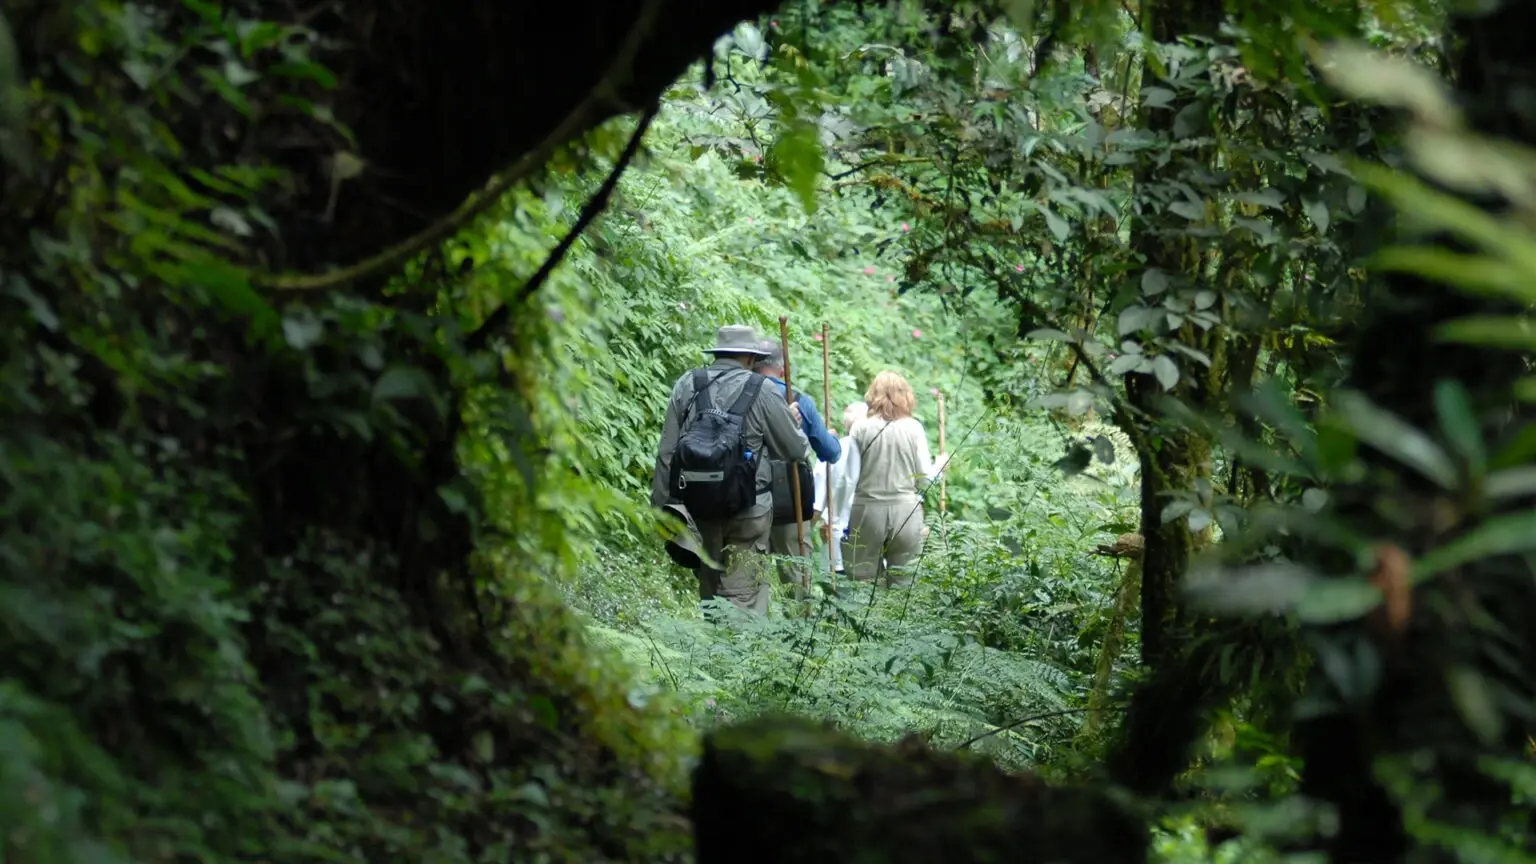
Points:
(794, 474)
(943, 478)
(943, 475)
(826, 400)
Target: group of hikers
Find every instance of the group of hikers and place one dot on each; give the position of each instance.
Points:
(735, 449)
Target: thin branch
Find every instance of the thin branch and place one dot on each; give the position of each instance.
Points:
(595, 205)
(878, 160)
(603, 98)
(1030, 719)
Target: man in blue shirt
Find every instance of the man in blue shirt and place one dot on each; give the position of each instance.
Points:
(782, 538)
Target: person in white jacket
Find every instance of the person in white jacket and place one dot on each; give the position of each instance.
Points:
(890, 466)
(844, 476)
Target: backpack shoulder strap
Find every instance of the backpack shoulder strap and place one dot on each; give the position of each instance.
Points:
(701, 382)
(748, 396)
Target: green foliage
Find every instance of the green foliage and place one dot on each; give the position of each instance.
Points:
(292, 576)
(244, 615)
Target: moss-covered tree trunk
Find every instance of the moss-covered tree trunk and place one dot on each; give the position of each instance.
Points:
(1172, 458)
(788, 791)
(1124, 610)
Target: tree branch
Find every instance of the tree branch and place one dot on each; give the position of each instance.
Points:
(603, 96)
(589, 212)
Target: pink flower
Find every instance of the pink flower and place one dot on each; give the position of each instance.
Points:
(917, 334)
(1019, 267)
(869, 271)
(890, 278)
(749, 220)
(906, 227)
(816, 336)
(934, 391)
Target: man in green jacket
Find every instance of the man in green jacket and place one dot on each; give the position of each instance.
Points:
(737, 542)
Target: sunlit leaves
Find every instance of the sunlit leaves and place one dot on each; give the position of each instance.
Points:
(797, 156)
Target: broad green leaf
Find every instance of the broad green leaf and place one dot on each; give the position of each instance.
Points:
(1104, 449)
(749, 40)
(1506, 534)
(1046, 334)
(1267, 197)
(1519, 450)
(1393, 436)
(1329, 601)
(1060, 229)
(1459, 423)
(302, 330)
(1157, 97)
(1133, 319)
(1192, 353)
(1525, 389)
(1473, 696)
(1317, 211)
(1504, 238)
(1273, 404)
(1490, 330)
(1355, 199)
(1338, 450)
(1153, 282)
(1257, 455)
(1166, 370)
(1375, 76)
(1511, 483)
(1199, 519)
(1479, 274)
(401, 382)
(1257, 590)
(1125, 364)
(1191, 210)
(797, 157)
(1174, 509)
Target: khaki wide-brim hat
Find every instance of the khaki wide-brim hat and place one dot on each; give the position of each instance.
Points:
(737, 339)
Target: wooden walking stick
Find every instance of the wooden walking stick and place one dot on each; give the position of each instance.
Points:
(794, 468)
(943, 475)
(826, 401)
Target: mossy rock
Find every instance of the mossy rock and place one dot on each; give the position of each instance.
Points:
(786, 789)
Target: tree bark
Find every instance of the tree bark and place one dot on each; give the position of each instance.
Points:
(1171, 458)
(784, 791)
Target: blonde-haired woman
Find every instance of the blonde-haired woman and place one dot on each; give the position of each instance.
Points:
(889, 466)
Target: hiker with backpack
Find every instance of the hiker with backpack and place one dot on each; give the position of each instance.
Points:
(784, 538)
(724, 424)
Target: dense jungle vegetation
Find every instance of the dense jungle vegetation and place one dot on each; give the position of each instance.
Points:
(338, 344)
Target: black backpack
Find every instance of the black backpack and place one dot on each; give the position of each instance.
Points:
(713, 472)
(784, 492)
